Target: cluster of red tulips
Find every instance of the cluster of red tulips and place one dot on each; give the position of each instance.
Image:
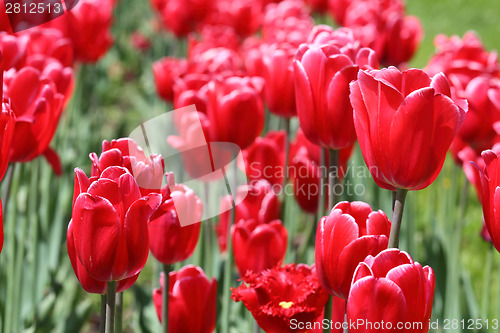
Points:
(246, 59)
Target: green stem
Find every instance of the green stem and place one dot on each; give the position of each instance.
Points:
(256, 328)
(397, 216)
(285, 178)
(229, 251)
(103, 314)
(165, 296)
(207, 233)
(119, 313)
(327, 316)
(487, 284)
(333, 178)
(321, 198)
(110, 307)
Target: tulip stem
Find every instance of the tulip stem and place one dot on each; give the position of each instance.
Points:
(165, 296)
(103, 314)
(333, 178)
(119, 313)
(485, 304)
(285, 177)
(229, 251)
(110, 307)
(321, 197)
(327, 315)
(397, 216)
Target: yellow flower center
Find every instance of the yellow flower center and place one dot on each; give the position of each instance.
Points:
(286, 305)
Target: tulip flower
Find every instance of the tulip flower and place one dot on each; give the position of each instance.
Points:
(38, 107)
(306, 171)
(244, 16)
(344, 238)
(258, 246)
(261, 204)
(182, 17)
(109, 224)
(89, 284)
(405, 123)
(124, 152)
(283, 296)
(231, 99)
(265, 158)
(166, 71)
(393, 289)
(175, 227)
(490, 187)
(50, 43)
(192, 301)
(322, 76)
(14, 50)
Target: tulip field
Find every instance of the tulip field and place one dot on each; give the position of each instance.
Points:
(237, 166)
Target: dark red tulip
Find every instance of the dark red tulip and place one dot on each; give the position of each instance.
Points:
(89, 284)
(166, 71)
(462, 59)
(393, 289)
(405, 123)
(322, 75)
(261, 204)
(320, 6)
(344, 238)
(284, 296)
(265, 158)
(192, 305)
(174, 228)
(124, 152)
(38, 107)
(258, 246)
(235, 110)
(490, 187)
(306, 172)
(109, 224)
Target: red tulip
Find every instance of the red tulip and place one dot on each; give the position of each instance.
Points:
(188, 91)
(405, 122)
(244, 16)
(148, 172)
(265, 158)
(235, 110)
(89, 284)
(393, 289)
(306, 172)
(174, 228)
(285, 298)
(166, 71)
(490, 187)
(109, 224)
(461, 60)
(322, 76)
(320, 6)
(50, 43)
(261, 204)
(218, 60)
(211, 37)
(192, 301)
(14, 50)
(286, 22)
(38, 107)
(7, 125)
(183, 16)
(258, 246)
(344, 238)
(139, 41)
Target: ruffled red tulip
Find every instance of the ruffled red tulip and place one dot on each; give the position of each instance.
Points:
(306, 172)
(285, 298)
(490, 194)
(405, 122)
(461, 60)
(258, 246)
(322, 76)
(38, 107)
(174, 228)
(265, 158)
(344, 238)
(166, 71)
(235, 110)
(393, 289)
(148, 172)
(109, 224)
(261, 204)
(192, 305)
(89, 284)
